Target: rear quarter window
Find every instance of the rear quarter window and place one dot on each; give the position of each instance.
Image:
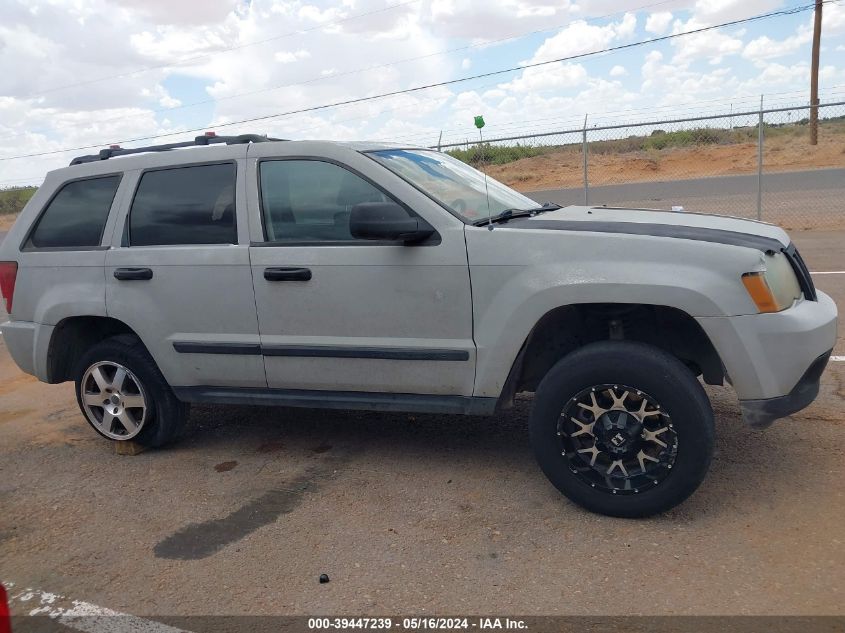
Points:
(76, 216)
(184, 205)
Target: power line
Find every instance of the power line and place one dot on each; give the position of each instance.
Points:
(439, 84)
(422, 140)
(354, 71)
(687, 106)
(572, 125)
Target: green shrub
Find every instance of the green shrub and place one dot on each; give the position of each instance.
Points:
(13, 199)
(496, 154)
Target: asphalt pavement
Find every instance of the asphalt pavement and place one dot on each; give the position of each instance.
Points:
(715, 186)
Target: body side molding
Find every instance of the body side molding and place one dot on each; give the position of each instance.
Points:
(246, 349)
(323, 351)
(360, 400)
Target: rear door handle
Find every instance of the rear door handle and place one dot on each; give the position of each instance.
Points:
(132, 274)
(287, 274)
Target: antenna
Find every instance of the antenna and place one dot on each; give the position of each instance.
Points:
(479, 123)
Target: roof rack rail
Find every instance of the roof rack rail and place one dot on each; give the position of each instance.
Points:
(206, 139)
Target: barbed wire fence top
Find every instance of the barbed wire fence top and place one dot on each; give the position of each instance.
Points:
(753, 164)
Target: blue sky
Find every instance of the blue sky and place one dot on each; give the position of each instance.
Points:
(92, 72)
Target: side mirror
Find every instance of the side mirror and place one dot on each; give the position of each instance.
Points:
(386, 221)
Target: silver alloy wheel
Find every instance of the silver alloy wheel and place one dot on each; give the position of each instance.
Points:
(113, 400)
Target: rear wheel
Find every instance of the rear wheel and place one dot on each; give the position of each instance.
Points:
(622, 428)
(123, 395)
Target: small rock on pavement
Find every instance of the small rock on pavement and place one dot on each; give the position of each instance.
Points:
(128, 448)
(324, 578)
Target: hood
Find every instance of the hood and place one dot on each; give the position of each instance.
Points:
(669, 224)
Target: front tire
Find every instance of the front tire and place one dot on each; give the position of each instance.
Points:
(622, 428)
(124, 396)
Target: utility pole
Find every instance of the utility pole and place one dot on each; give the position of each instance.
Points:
(814, 77)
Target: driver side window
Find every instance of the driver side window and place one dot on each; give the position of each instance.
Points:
(311, 200)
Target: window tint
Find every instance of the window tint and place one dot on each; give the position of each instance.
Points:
(77, 214)
(309, 200)
(185, 205)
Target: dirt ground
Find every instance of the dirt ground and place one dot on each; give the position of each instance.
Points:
(6, 221)
(412, 514)
(566, 168)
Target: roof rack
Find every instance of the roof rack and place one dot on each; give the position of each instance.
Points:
(208, 138)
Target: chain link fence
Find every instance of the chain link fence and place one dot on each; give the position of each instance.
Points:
(753, 164)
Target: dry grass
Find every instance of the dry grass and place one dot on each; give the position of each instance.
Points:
(785, 149)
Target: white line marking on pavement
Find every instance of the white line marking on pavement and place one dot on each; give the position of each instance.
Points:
(828, 272)
(838, 359)
(79, 615)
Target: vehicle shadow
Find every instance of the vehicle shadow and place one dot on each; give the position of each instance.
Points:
(487, 447)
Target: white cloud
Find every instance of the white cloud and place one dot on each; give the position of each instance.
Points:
(582, 37)
(555, 76)
(618, 71)
(775, 77)
(658, 23)
(712, 46)
(315, 14)
(765, 48)
(466, 62)
(708, 12)
(184, 13)
(287, 57)
(834, 19)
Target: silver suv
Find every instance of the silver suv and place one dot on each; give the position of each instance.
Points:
(248, 270)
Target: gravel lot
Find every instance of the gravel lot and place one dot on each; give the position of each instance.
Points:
(412, 514)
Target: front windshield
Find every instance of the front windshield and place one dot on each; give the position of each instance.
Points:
(452, 183)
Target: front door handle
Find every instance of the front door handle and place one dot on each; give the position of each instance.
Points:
(287, 274)
(133, 274)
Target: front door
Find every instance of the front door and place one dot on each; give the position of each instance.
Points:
(181, 278)
(340, 314)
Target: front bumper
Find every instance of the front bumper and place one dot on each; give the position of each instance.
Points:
(761, 413)
(772, 358)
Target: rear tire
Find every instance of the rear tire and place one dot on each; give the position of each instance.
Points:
(124, 396)
(622, 428)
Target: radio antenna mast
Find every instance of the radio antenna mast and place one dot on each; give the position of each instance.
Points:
(479, 123)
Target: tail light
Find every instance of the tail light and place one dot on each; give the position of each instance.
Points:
(8, 274)
(5, 619)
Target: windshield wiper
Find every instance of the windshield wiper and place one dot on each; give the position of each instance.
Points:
(509, 214)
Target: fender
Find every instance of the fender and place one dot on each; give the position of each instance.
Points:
(520, 275)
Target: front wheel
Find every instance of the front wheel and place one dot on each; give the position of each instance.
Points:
(622, 428)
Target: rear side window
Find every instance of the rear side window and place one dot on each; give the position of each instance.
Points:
(77, 214)
(185, 205)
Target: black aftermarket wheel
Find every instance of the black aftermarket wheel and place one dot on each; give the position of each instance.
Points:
(622, 428)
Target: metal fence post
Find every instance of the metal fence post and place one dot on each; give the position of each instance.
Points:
(760, 162)
(586, 178)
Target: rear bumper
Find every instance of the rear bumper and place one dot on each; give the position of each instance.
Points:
(761, 413)
(28, 344)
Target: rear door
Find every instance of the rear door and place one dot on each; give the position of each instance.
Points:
(179, 273)
(352, 314)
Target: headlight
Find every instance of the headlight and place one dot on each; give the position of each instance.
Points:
(775, 288)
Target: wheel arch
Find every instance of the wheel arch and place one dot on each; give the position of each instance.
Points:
(74, 335)
(566, 328)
